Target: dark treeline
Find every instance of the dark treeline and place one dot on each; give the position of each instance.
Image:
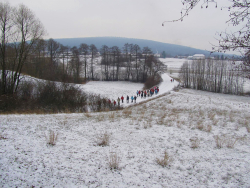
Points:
(55, 62)
(130, 63)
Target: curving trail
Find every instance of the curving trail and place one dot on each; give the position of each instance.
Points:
(113, 90)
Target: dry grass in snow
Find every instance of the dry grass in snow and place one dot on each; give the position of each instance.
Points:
(206, 135)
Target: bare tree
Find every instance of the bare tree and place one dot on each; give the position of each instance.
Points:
(126, 50)
(93, 50)
(117, 61)
(137, 50)
(24, 31)
(53, 48)
(239, 15)
(63, 51)
(76, 64)
(146, 52)
(104, 52)
(84, 49)
(6, 24)
(40, 54)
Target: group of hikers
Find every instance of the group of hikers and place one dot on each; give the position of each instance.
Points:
(139, 93)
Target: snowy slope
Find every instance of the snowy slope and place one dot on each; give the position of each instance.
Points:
(138, 135)
(206, 135)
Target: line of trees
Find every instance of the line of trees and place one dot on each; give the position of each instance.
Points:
(131, 63)
(23, 50)
(212, 75)
(54, 61)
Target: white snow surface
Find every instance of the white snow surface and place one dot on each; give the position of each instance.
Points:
(206, 135)
(115, 89)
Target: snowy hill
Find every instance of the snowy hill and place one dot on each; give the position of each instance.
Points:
(185, 138)
(170, 49)
(205, 135)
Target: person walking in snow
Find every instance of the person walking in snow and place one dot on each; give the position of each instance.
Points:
(109, 102)
(118, 101)
(132, 98)
(135, 98)
(145, 93)
(114, 103)
(141, 94)
(137, 92)
(122, 98)
(127, 99)
(156, 91)
(151, 91)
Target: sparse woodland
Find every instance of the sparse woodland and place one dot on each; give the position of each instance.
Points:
(213, 75)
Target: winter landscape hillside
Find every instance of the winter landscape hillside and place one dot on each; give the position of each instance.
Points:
(157, 47)
(62, 123)
(181, 138)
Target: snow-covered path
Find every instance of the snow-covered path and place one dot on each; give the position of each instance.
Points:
(113, 90)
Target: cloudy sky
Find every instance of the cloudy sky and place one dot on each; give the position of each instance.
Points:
(130, 18)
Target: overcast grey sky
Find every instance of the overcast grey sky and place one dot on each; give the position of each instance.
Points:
(130, 18)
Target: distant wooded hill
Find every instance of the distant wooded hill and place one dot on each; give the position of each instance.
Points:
(170, 49)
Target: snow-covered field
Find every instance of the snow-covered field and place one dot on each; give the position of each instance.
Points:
(113, 90)
(174, 65)
(206, 135)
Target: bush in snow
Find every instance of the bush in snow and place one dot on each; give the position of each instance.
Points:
(152, 81)
(165, 160)
(52, 138)
(114, 161)
(103, 140)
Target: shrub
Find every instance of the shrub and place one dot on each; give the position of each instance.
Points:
(208, 128)
(114, 161)
(230, 142)
(219, 141)
(248, 128)
(152, 81)
(103, 140)
(195, 142)
(165, 161)
(51, 97)
(52, 138)
(2, 137)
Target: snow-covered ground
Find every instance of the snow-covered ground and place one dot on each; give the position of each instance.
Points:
(113, 90)
(174, 65)
(206, 135)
